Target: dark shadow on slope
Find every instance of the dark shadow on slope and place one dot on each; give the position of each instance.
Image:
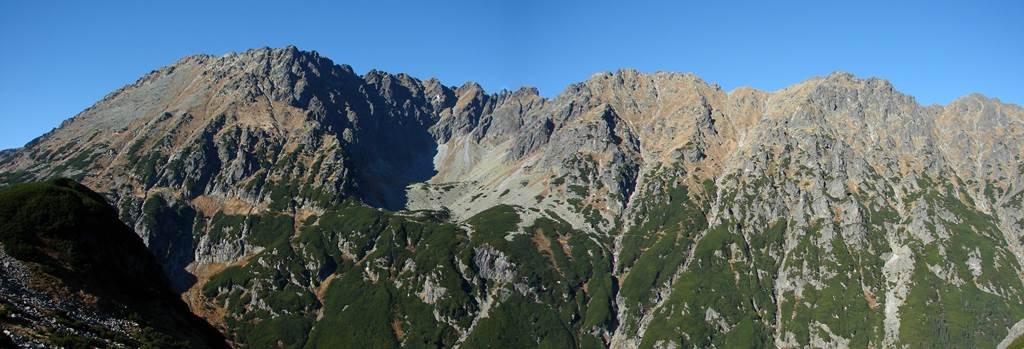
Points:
(171, 239)
(392, 146)
(383, 122)
(73, 235)
(391, 164)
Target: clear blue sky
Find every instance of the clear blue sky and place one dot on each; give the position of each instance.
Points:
(57, 58)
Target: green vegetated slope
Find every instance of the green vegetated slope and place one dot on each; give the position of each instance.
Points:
(951, 280)
(359, 276)
(78, 277)
(356, 276)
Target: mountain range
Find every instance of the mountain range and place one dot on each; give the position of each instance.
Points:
(295, 203)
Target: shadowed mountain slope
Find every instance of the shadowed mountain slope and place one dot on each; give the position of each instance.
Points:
(74, 275)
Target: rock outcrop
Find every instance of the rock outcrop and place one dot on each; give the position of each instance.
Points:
(631, 210)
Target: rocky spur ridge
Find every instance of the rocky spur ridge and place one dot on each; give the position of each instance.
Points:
(632, 209)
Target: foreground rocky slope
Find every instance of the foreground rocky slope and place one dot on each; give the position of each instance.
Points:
(74, 276)
(298, 204)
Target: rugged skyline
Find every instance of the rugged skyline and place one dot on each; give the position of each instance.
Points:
(296, 203)
(67, 55)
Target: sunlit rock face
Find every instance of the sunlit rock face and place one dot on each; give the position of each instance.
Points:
(297, 203)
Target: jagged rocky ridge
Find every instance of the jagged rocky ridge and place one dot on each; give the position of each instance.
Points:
(631, 210)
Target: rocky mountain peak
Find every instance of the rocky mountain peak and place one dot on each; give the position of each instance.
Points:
(632, 195)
